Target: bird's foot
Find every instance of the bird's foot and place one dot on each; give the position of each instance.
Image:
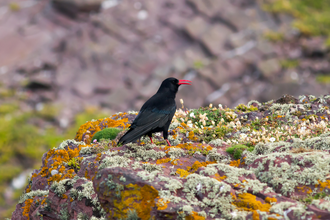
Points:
(151, 140)
(168, 142)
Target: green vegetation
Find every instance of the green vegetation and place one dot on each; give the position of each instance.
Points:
(245, 108)
(107, 133)
(289, 63)
(323, 79)
(75, 163)
(237, 150)
(274, 36)
(26, 135)
(308, 200)
(312, 17)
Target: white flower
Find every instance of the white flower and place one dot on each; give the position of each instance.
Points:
(220, 106)
(243, 136)
(272, 139)
(192, 115)
(303, 128)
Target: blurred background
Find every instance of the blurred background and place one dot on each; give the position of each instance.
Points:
(65, 62)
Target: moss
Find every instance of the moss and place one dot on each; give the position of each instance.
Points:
(237, 150)
(106, 133)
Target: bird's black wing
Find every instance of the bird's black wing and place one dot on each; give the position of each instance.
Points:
(154, 114)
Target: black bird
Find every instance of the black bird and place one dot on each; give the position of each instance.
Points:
(156, 114)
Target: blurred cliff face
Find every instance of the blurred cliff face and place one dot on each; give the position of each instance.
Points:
(114, 54)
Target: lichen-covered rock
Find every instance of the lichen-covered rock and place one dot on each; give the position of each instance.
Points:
(283, 171)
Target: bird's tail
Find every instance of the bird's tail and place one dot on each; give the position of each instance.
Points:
(130, 136)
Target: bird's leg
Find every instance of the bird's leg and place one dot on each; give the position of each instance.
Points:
(151, 140)
(168, 142)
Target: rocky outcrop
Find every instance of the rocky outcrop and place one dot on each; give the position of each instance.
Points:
(261, 161)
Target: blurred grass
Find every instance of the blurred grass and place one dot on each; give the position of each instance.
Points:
(312, 17)
(25, 136)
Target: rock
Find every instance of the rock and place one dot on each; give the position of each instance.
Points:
(73, 7)
(269, 67)
(197, 27)
(214, 39)
(216, 74)
(102, 180)
(314, 47)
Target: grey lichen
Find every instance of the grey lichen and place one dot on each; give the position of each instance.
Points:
(114, 161)
(216, 142)
(151, 167)
(32, 194)
(176, 153)
(67, 142)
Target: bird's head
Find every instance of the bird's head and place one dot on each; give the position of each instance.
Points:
(171, 85)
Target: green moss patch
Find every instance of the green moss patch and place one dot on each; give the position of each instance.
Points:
(237, 150)
(107, 133)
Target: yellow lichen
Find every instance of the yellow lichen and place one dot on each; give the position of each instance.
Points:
(141, 199)
(191, 136)
(248, 202)
(182, 173)
(270, 200)
(161, 204)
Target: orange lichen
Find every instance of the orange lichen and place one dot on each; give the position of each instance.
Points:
(184, 125)
(174, 162)
(235, 163)
(198, 164)
(142, 199)
(64, 196)
(161, 204)
(94, 126)
(195, 216)
(255, 215)
(86, 175)
(305, 189)
(57, 158)
(323, 185)
(175, 134)
(270, 200)
(218, 177)
(28, 189)
(26, 208)
(248, 202)
(164, 160)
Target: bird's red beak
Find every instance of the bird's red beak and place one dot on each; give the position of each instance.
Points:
(183, 81)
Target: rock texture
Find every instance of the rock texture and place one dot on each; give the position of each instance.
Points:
(260, 161)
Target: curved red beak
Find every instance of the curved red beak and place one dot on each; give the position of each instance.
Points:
(183, 81)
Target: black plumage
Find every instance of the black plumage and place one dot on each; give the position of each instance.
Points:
(156, 114)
